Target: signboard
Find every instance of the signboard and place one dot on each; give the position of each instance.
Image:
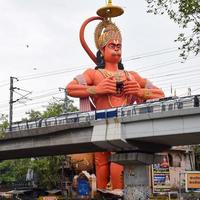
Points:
(161, 176)
(192, 181)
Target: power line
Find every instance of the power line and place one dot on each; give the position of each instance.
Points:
(162, 82)
(45, 95)
(152, 52)
(42, 91)
(56, 72)
(174, 74)
(178, 78)
(3, 85)
(191, 91)
(179, 87)
(62, 71)
(182, 80)
(50, 94)
(164, 64)
(53, 73)
(38, 97)
(150, 55)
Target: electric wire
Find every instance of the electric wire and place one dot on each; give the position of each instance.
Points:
(32, 98)
(174, 73)
(61, 71)
(178, 77)
(56, 72)
(149, 55)
(164, 64)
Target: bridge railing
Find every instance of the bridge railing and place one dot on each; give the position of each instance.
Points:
(151, 106)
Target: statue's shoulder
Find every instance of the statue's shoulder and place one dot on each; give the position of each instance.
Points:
(142, 81)
(131, 72)
(89, 71)
(135, 74)
(90, 74)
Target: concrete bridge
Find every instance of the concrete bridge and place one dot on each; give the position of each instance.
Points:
(152, 132)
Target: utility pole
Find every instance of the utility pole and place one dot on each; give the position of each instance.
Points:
(65, 102)
(189, 91)
(23, 96)
(65, 99)
(11, 102)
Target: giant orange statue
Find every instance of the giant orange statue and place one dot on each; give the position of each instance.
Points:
(108, 85)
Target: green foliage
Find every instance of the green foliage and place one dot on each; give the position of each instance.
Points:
(196, 149)
(46, 169)
(33, 115)
(3, 125)
(13, 170)
(5, 168)
(186, 13)
(53, 109)
(71, 107)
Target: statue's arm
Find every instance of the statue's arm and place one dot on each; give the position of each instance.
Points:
(82, 85)
(147, 90)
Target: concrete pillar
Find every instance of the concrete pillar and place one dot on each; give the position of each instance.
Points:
(137, 178)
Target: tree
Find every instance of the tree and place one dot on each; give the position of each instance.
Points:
(52, 110)
(3, 125)
(13, 171)
(46, 169)
(6, 173)
(186, 13)
(33, 115)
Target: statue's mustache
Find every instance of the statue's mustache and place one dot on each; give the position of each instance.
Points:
(116, 54)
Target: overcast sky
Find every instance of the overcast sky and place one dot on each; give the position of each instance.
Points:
(39, 44)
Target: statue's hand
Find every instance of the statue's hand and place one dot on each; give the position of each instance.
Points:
(131, 87)
(106, 86)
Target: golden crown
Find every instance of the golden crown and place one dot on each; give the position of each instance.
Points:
(105, 31)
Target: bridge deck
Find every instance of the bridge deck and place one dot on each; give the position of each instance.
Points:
(147, 132)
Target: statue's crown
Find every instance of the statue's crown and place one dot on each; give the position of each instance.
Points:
(105, 31)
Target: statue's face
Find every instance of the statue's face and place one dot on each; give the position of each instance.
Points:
(112, 51)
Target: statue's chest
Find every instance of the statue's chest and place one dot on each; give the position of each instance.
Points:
(119, 76)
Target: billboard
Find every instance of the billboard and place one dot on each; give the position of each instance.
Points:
(161, 176)
(192, 179)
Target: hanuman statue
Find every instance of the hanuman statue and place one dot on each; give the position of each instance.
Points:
(109, 85)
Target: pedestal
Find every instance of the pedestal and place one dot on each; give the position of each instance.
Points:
(137, 176)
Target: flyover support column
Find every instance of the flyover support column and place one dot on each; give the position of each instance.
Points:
(137, 179)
